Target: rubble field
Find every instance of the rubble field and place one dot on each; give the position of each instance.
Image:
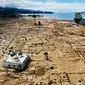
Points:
(63, 43)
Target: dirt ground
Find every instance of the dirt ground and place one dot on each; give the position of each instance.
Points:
(63, 42)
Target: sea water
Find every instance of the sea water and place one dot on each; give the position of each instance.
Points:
(62, 16)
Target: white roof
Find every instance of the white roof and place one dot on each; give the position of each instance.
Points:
(17, 58)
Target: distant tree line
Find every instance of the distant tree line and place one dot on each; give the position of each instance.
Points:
(34, 16)
(8, 12)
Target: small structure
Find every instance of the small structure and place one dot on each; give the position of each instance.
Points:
(17, 60)
(79, 19)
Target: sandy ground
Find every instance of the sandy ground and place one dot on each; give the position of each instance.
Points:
(64, 43)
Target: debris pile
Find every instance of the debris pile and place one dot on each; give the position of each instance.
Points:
(17, 60)
(56, 48)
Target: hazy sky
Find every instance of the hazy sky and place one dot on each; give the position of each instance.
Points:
(49, 5)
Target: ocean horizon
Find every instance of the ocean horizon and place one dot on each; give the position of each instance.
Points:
(61, 16)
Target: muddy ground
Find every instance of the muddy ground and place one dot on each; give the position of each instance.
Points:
(63, 41)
